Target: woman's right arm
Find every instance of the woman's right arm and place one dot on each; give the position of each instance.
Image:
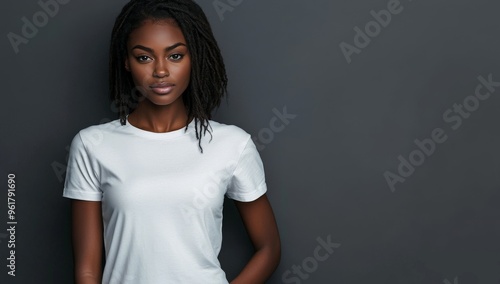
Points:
(87, 241)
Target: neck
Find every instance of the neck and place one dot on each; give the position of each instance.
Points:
(156, 118)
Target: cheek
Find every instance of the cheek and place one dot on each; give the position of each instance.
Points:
(140, 74)
(188, 74)
(185, 73)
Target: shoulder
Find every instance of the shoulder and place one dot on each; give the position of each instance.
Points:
(228, 138)
(95, 134)
(229, 131)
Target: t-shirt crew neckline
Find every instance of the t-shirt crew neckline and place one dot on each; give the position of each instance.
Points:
(159, 135)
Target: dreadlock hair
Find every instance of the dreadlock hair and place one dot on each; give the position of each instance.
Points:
(208, 82)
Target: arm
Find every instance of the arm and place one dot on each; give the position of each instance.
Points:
(261, 227)
(87, 241)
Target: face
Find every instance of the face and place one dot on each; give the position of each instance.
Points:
(159, 62)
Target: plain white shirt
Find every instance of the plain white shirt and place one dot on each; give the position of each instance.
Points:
(162, 199)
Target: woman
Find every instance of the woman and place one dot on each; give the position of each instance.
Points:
(149, 187)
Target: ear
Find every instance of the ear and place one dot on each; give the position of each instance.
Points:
(127, 67)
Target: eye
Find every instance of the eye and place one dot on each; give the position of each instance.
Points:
(142, 58)
(176, 57)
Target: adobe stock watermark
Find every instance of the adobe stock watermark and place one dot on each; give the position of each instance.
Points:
(224, 6)
(11, 223)
(311, 263)
(277, 124)
(454, 117)
(455, 281)
(29, 29)
(209, 195)
(96, 136)
(363, 37)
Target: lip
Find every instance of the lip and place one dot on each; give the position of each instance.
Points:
(162, 88)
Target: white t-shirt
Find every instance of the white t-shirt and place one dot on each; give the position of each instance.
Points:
(162, 198)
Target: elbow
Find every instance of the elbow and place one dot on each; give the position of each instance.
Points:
(277, 253)
(273, 252)
(87, 278)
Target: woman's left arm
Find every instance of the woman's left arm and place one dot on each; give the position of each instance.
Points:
(258, 218)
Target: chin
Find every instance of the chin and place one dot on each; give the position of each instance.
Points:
(163, 100)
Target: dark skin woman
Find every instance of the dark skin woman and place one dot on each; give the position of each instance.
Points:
(162, 57)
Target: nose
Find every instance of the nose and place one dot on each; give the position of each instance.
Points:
(161, 69)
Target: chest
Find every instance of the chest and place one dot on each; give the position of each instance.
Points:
(157, 178)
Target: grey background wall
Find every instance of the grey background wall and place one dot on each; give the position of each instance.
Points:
(385, 169)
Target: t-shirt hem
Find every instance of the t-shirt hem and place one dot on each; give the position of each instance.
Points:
(251, 196)
(78, 194)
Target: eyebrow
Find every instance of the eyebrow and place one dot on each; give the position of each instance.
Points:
(151, 51)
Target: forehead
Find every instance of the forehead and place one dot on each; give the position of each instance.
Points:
(161, 33)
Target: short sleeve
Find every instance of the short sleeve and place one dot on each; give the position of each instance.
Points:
(81, 181)
(248, 180)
